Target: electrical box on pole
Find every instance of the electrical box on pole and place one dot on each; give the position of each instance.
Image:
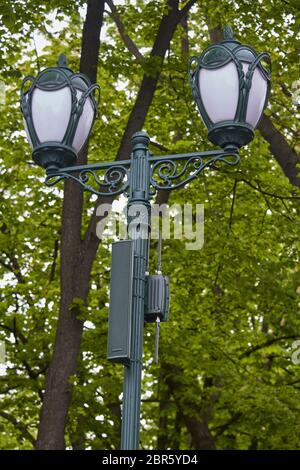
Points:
(119, 321)
(157, 298)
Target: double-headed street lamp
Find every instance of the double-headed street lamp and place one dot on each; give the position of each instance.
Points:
(230, 85)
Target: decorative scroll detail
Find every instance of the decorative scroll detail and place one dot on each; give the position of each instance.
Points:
(114, 181)
(168, 174)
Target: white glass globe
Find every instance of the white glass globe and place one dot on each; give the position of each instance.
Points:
(219, 89)
(257, 96)
(51, 112)
(84, 124)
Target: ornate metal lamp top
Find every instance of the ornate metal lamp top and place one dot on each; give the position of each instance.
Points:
(62, 61)
(228, 33)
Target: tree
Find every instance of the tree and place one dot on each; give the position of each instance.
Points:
(226, 352)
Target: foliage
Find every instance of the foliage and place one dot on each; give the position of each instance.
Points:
(234, 304)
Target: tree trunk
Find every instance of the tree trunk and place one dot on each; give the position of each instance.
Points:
(285, 155)
(162, 436)
(169, 427)
(74, 273)
(197, 421)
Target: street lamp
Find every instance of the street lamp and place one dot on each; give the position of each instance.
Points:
(59, 109)
(230, 86)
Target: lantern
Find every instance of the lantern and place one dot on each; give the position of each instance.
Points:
(231, 86)
(59, 109)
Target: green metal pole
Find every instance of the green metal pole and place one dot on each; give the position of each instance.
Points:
(139, 224)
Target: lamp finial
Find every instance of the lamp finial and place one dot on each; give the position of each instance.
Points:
(228, 33)
(62, 61)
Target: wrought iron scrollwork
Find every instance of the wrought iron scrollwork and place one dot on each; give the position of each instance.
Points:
(172, 173)
(166, 173)
(114, 180)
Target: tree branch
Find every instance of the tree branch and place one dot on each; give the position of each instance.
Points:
(266, 193)
(232, 204)
(17, 334)
(184, 11)
(266, 344)
(18, 425)
(121, 28)
(14, 267)
(280, 148)
(53, 266)
(223, 427)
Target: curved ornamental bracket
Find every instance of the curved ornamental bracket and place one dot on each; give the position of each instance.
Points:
(175, 171)
(166, 172)
(103, 179)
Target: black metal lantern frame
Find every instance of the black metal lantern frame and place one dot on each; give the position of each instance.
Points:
(52, 154)
(237, 132)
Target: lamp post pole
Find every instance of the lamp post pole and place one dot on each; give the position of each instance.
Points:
(138, 202)
(140, 178)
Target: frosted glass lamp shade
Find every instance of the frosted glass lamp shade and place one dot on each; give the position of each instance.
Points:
(257, 96)
(85, 123)
(51, 111)
(219, 90)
